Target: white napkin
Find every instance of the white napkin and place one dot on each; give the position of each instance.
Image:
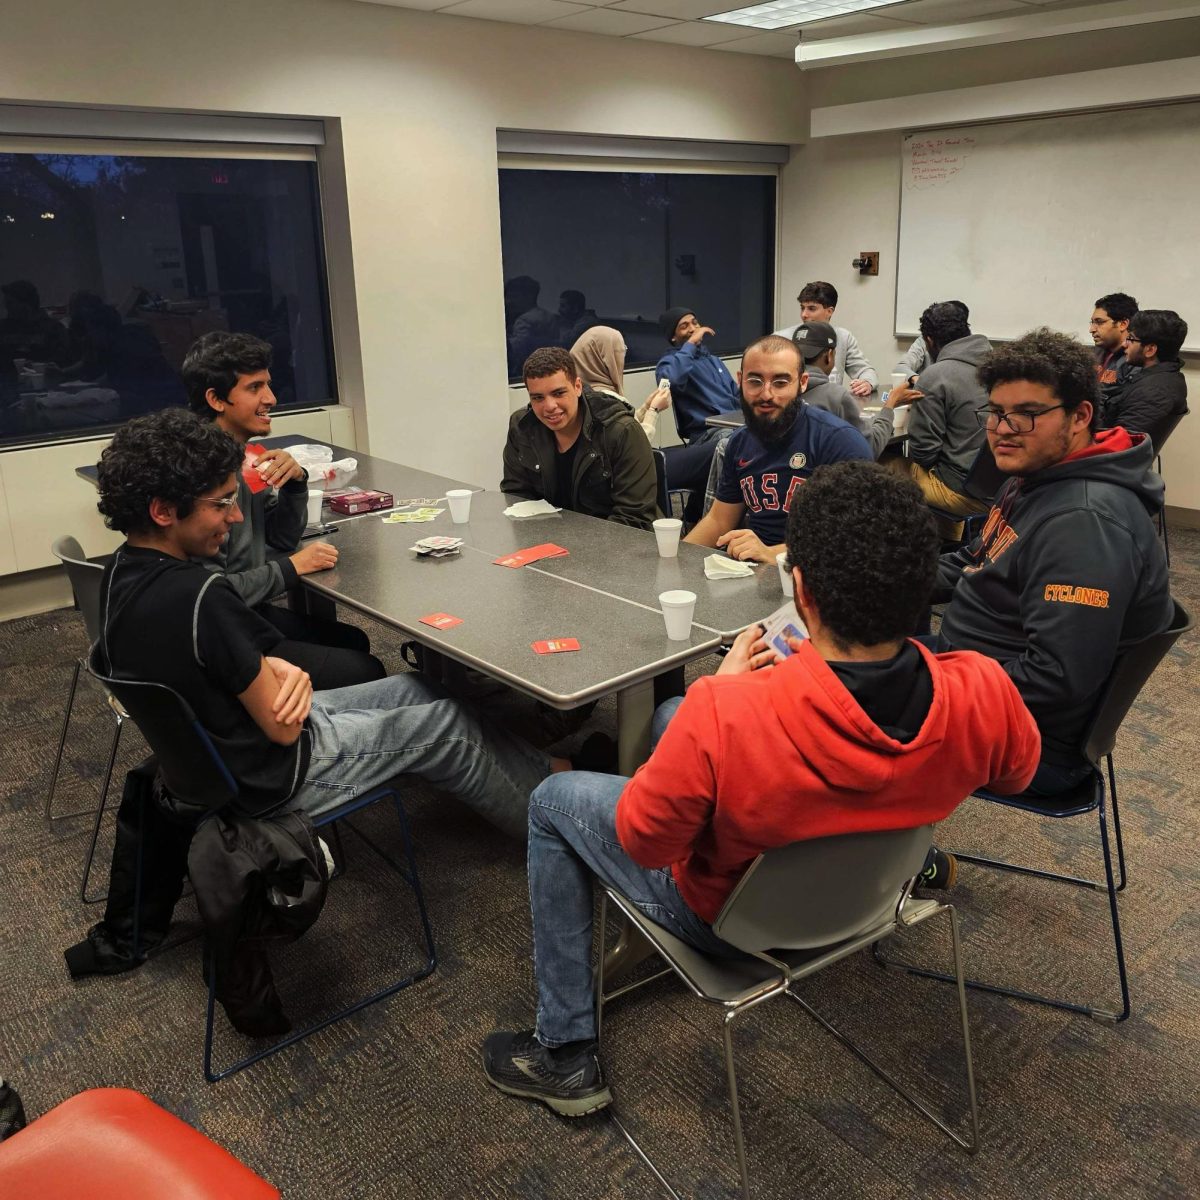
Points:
(719, 566)
(531, 508)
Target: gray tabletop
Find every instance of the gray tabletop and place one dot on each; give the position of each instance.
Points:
(503, 611)
(617, 560)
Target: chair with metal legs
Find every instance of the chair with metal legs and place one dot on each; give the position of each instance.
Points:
(195, 775)
(1132, 669)
(85, 584)
(797, 910)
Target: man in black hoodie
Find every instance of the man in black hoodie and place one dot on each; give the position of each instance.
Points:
(1067, 570)
(577, 448)
(1157, 396)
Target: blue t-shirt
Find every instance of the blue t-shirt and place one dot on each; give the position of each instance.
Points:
(763, 478)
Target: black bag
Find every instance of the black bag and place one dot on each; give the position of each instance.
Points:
(12, 1113)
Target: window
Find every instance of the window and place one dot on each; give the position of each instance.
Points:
(617, 248)
(113, 264)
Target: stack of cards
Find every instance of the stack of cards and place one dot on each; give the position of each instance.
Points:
(522, 558)
(418, 516)
(438, 547)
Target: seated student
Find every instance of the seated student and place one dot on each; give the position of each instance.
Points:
(1157, 394)
(818, 344)
(916, 357)
(600, 356)
(577, 448)
(169, 483)
(1067, 570)
(1109, 325)
(944, 435)
(850, 366)
(783, 443)
(701, 385)
(228, 381)
(860, 729)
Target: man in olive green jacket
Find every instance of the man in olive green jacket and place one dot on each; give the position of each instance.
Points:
(577, 448)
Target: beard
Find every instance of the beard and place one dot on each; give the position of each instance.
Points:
(771, 430)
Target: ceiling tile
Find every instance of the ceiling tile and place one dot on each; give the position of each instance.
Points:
(777, 45)
(675, 10)
(953, 12)
(694, 33)
(423, 5)
(605, 20)
(522, 12)
(848, 26)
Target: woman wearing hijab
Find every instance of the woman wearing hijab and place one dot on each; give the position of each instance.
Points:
(599, 354)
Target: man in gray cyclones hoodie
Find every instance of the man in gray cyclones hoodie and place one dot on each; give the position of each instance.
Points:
(1068, 570)
(944, 435)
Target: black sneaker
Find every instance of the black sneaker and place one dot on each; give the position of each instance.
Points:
(571, 1083)
(941, 870)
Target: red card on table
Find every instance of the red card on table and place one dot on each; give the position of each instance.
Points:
(441, 620)
(522, 558)
(254, 481)
(556, 645)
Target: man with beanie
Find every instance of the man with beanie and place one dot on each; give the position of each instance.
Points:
(701, 385)
(818, 346)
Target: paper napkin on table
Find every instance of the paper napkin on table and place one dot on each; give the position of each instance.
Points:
(718, 566)
(531, 508)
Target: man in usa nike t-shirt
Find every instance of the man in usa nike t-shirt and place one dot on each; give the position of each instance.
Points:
(783, 443)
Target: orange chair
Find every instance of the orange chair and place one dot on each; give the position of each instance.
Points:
(115, 1144)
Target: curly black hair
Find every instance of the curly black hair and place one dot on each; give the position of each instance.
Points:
(945, 322)
(1057, 360)
(215, 360)
(867, 547)
(170, 454)
(549, 360)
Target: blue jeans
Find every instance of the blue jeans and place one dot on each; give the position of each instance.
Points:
(573, 838)
(367, 734)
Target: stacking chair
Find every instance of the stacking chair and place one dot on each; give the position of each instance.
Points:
(982, 482)
(1133, 668)
(1162, 512)
(85, 584)
(196, 776)
(797, 910)
(665, 493)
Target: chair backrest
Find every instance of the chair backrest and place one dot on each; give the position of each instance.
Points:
(818, 892)
(1133, 667)
(1169, 428)
(984, 479)
(85, 582)
(660, 481)
(191, 767)
(714, 472)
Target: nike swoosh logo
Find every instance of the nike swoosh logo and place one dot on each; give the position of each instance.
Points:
(744, 462)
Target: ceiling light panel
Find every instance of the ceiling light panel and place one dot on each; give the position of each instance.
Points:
(780, 14)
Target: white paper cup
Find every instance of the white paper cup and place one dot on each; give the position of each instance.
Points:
(901, 420)
(785, 574)
(459, 500)
(667, 530)
(677, 610)
(315, 500)
(899, 379)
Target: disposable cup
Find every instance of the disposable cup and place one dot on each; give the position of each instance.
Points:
(459, 500)
(677, 609)
(667, 530)
(899, 379)
(785, 574)
(315, 500)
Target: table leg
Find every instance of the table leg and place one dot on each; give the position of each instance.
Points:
(311, 604)
(635, 709)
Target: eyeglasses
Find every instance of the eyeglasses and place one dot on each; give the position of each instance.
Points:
(1096, 322)
(226, 504)
(752, 384)
(1137, 341)
(1018, 422)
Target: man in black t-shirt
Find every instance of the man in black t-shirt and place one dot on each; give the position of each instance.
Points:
(168, 482)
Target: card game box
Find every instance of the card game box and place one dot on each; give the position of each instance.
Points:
(350, 503)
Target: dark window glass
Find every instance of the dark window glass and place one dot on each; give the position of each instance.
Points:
(624, 247)
(112, 265)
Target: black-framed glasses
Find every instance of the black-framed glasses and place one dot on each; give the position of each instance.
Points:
(1018, 422)
(1137, 341)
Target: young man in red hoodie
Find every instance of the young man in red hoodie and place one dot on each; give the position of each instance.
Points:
(1068, 569)
(859, 729)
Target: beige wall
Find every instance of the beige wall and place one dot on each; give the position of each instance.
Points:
(419, 98)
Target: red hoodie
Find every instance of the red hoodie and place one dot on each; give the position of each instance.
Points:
(785, 754)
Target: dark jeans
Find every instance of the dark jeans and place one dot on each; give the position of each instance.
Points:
(334, 654)
(687, 467)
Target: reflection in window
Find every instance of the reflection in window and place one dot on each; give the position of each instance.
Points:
(112, 265)
(586, 248)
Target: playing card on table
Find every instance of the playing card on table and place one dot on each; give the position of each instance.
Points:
(438, 547)
(419, 501)
(522, 558)
(417, 516)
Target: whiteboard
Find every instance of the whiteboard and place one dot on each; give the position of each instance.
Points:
(1028, 222)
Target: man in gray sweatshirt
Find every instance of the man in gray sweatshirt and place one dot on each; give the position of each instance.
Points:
(945, 434)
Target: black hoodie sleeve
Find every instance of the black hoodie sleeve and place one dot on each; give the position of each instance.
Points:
(1078, 576)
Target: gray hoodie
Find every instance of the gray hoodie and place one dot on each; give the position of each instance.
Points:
(945, 435)
(836, 398)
